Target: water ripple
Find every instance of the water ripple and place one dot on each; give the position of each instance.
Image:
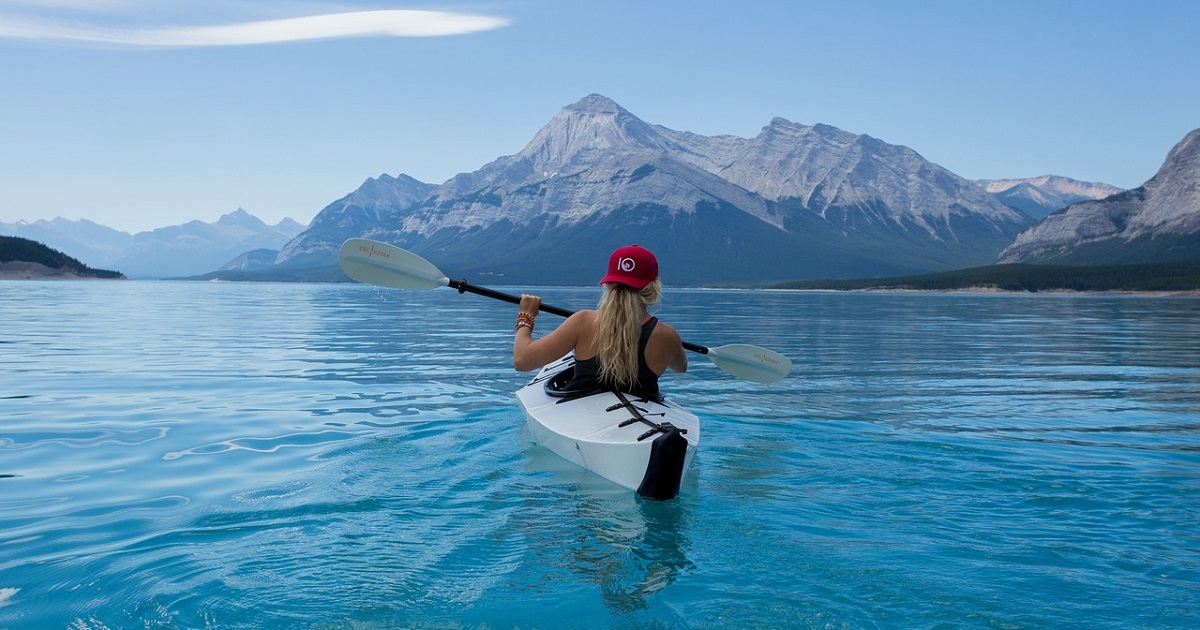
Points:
(205, 455)
(265, 444)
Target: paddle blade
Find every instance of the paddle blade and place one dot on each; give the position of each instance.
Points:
(751, 362)
(389, 266)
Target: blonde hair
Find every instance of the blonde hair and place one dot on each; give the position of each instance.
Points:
(618, 328)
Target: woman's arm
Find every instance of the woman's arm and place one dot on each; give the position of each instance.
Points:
(529, 354)
(672, 348)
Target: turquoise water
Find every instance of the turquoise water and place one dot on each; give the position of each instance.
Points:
(211, 455)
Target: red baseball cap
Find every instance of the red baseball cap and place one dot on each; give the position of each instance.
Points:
(633, 266)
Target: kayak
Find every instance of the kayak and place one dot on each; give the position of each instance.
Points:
(645, 444)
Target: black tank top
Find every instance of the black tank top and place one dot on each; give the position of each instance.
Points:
(587, 372)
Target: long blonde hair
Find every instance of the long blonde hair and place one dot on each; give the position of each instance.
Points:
(618, 328)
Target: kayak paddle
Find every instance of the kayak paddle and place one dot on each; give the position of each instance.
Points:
(389, 266)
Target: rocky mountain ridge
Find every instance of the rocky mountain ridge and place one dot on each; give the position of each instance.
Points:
(819, 167)
(1159, 220)
(351, 216)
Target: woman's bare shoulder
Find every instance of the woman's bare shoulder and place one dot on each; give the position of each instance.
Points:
(583, 317)
(667, 329)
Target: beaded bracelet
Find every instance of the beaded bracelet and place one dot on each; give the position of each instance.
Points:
(524, 320)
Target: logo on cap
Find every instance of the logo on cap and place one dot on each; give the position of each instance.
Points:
(627, 265)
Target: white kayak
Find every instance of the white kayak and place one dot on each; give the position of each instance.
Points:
(643, 444)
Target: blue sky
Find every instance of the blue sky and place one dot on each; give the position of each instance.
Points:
(144, 113)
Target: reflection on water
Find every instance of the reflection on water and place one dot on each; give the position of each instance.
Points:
(630, 547)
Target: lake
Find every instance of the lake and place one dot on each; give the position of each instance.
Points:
(222, 455)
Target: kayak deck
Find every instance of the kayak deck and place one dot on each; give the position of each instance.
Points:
(643, 444)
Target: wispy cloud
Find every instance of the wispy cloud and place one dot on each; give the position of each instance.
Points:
(381, 23)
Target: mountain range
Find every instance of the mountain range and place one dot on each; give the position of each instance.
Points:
(794, 201)
(183, 250)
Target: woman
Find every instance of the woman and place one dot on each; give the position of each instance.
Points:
(618, 345)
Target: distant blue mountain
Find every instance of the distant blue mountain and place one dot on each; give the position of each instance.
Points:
(1040, 196)
(175, 251)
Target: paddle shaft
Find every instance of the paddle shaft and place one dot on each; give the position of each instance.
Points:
(464, 287)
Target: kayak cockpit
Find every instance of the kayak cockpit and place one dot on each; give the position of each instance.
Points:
(561, 385)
